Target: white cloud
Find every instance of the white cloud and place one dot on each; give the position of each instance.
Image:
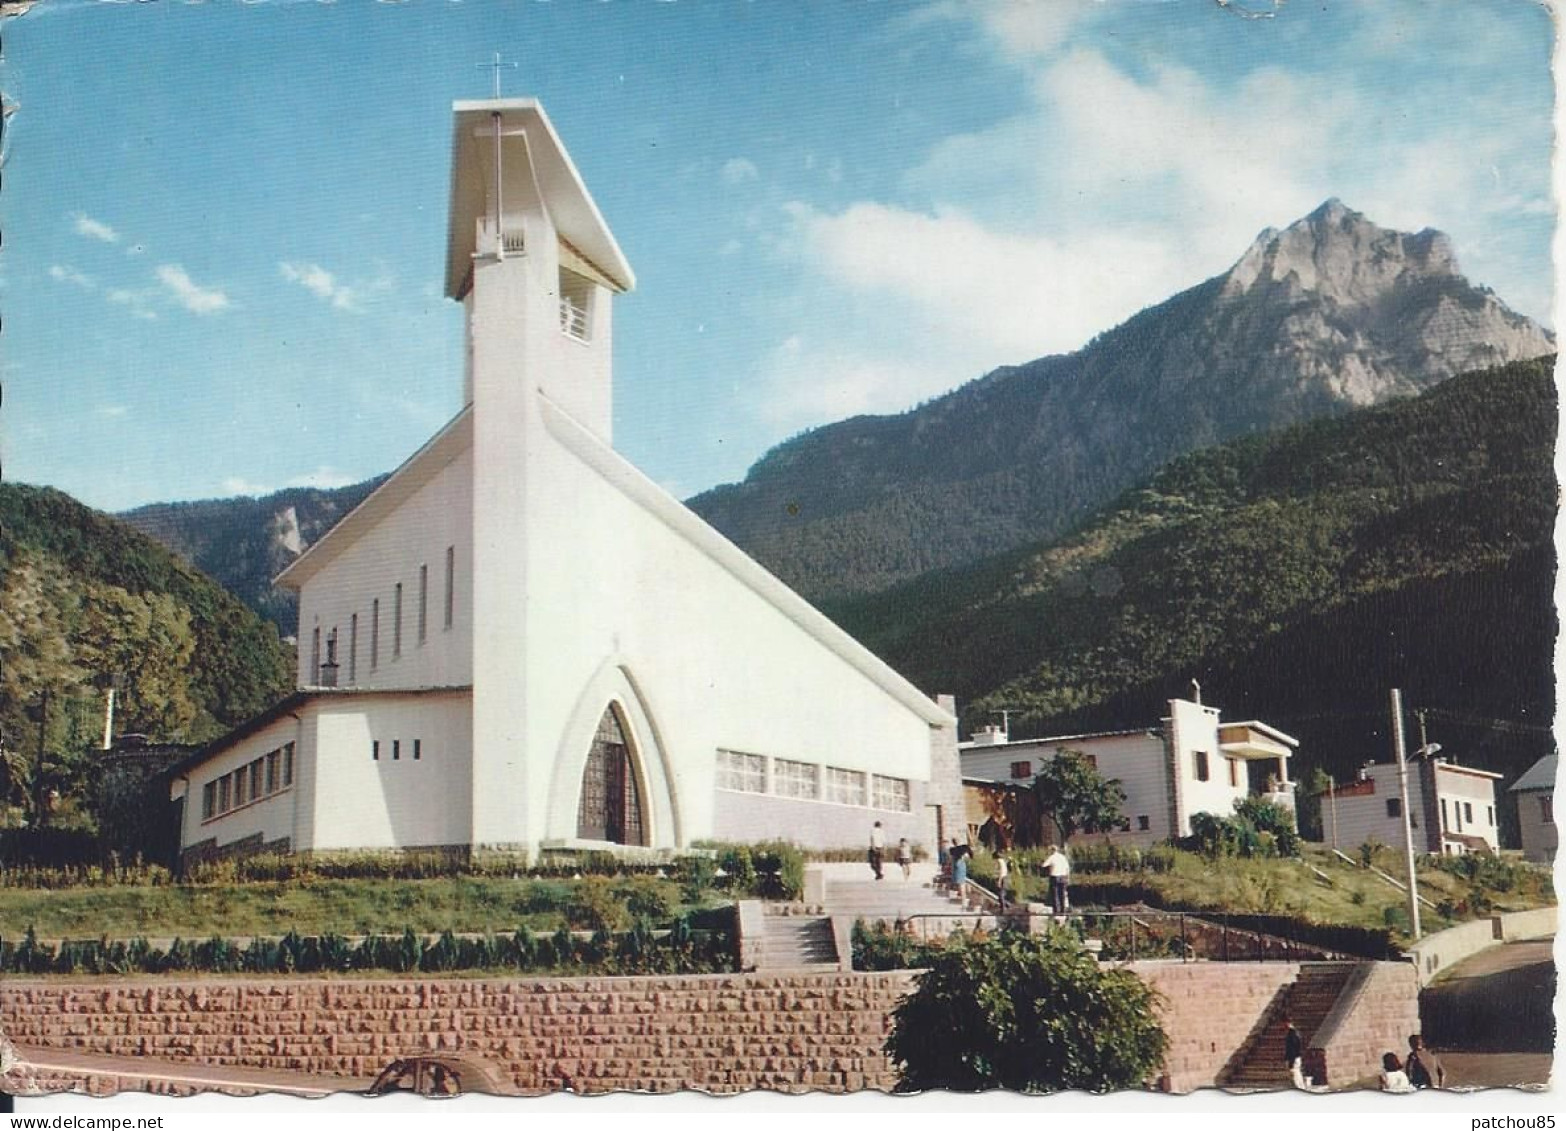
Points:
(112, 411)
(196, 299)
(94, 229)
(136, 301)
(738, 170)
(805, 383)
(323, 477)
(65, 274)
(321, 283)
(992, 297)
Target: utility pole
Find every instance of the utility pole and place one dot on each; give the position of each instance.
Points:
(1332, 800)
(1408, 832)
(38, 766)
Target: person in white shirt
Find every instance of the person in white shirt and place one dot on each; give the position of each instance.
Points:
(1393, 1078)
(1057, 866)
(1002, 873)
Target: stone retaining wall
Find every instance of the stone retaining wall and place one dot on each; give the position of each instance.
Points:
(718, 1033)
(1376, 1012)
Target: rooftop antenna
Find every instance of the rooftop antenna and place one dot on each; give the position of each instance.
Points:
(494, 117)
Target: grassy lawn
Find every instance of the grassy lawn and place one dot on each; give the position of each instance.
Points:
(345, 907)
(1348, 895)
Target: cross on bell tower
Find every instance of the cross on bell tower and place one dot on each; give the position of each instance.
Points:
(496, 65)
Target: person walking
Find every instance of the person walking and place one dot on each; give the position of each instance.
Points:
(959, 857)
(877, 849)
(905, 857)
(1002, 874)
(1423, 1066)
(1057, 866)
(1294, 1052)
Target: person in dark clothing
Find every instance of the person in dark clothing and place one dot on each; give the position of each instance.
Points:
(1294, 1052)
(1423, 1066)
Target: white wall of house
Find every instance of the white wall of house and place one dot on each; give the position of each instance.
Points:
(1469, 797)
(361, 581)
(1466, 798)
(1195, 743)
(1137, 760)
(397, 800)
(1536, 823)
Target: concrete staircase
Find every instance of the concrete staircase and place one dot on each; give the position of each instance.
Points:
(797, 942)
(1260, 1066)
(852, 893)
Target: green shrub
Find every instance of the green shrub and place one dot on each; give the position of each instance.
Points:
(1027, 1013)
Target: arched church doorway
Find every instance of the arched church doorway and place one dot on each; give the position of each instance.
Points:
(611, 799)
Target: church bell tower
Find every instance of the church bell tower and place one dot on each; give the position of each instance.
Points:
(535, 267)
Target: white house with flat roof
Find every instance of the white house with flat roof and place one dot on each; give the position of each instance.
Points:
(1451, 808)
(1190, 762)
(1535, 793)
(519, 642)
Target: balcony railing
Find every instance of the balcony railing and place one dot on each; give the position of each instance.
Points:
(573, 320)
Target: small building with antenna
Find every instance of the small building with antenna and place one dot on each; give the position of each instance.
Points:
(1451, 808)
(520, 643)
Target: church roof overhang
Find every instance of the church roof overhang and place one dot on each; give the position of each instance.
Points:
(679, 519)
(416, 471)
(571, 207)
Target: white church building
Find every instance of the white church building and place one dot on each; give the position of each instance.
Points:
(519, 642)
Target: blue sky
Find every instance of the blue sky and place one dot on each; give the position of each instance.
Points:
(224, 223)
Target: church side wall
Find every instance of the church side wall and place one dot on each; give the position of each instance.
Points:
(268, 820)
(439, 515)
(719, 666)
(397, 800)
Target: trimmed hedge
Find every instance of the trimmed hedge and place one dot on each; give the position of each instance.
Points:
(683, 949)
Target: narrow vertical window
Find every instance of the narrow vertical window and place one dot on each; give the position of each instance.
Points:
(288, 764)
(353, 649)
(417, 744)
(375, 750)
(396, 750)
(208, 800)
(397, 621)
(424, 592)
(451, 582)
(375, 633)
(315, 657)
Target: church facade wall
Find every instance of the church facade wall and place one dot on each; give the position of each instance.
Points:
(393, 771)
(719, 665)
(408, 548)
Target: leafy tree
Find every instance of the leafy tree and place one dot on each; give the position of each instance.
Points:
(1277, 821)
(1308, 793)
(1028, 1013)
(1075, 796)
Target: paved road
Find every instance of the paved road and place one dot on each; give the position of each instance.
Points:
(1491, 1017)
(54, 1069)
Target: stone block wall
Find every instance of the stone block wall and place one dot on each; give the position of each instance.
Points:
(1376, 1012)
(1210, 1010)
(715, 1033)
(721, 1033)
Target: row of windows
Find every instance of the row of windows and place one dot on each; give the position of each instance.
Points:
(317, 668)
(1463, 809)
(268, 774)
(806, 781)
(1024, 769)
(395, 748)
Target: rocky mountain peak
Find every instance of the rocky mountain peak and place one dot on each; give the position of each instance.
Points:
(1340, 254)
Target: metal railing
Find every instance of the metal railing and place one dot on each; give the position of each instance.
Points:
(573, 319)
(1132, 936)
